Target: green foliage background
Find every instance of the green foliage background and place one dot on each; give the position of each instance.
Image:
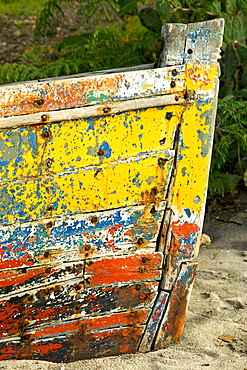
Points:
(131, 38)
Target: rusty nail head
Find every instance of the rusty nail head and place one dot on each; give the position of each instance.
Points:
(77, 287)
(49, 225)
(46, 254)
(174, 72)
(87, 247)
(142, 270)
(154, 191)
(140, 241)
(168, 115)
(50, 208)
(48, 270)
(101, 152)
(138, 287)
(106, 110)
(30, 298)
(94, 220)
(144, 259)
(162, 161)
(176, 98)
(173, 83)
(39, 102)
(89, 263)
(143, 295)
(25, 337)
(153, 210)
(46, 134)
(77, 308)
(44, 117)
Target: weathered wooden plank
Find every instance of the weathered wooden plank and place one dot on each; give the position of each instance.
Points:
(171, 327)
(180, 248)
(81, 325)
(15, 281)
(154, 321)
(172, 44)
(78, 347)
(138, 180)
(58, 240)
(144, 266)
(67, 145)
(42, 118)
(78, 92)
(69, 300)
(204, 40)
(188, 194)
(106, 270)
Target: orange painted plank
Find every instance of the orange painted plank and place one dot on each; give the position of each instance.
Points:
(145, 266)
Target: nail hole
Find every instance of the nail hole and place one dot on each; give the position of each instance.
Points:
(153, 210)
(162, 141)
(46, 254)
(168, 115)
(189, 51)
(77, 287)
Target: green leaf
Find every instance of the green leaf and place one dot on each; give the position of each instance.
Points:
(242, 52)
(240, 27)
(150, 18)
(230, 60)
(228, 27)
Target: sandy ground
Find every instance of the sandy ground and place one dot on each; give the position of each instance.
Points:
(218, 307)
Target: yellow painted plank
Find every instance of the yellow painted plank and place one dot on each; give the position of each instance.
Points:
(73, 144)
(137, 180)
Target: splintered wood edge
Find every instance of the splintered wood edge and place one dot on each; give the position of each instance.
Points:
(92, 111)
(200, 41)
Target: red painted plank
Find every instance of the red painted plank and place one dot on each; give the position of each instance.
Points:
(75, 346)
(171, 327)
(145, 266)
(68, 301)
(114, 320)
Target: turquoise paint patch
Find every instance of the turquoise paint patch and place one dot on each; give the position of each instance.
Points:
(184, 171)
(150, 180)
(205, 140)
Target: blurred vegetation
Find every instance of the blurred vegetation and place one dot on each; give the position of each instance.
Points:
(21, 7)
(132, 37)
